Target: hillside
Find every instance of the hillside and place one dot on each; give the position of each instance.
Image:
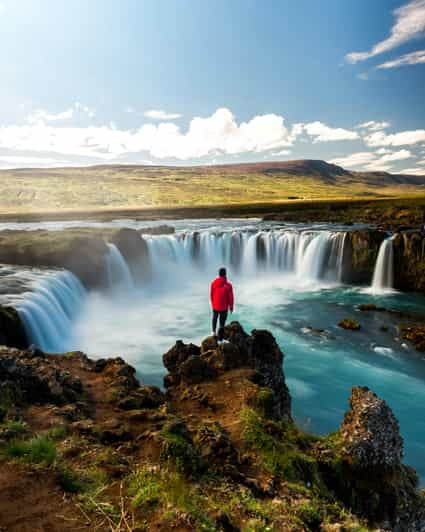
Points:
(133, 186)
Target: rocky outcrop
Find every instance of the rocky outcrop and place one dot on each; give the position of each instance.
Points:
(34, 377)
(370, 431)
(409, 261)
(81, 253)
(367, 472)
(134, 249)
(162, 229)
(360, 253)
(12, 332)
(189, 364)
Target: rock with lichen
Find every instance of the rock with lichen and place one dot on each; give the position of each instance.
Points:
(370, 431)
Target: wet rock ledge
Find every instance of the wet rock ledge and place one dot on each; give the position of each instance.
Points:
(87, 446)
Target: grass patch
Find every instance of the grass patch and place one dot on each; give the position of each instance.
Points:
(152, 489)
(38, 450)
(14, 428)
(280, 447)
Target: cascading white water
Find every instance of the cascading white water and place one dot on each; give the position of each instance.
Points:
(119, 275)
(383, 275)
(48, 311)
(54, 302)
(308, 255)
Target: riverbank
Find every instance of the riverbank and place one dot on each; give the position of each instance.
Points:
(218, 451)
(387, 212)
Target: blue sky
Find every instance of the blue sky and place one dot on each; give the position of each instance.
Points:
(210, 81)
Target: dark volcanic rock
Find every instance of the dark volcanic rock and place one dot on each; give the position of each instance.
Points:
(189, 363)
(360, 253)
(409, 261)
(36, 378)
(173, 358)
(163, 229)
(12, 332)
(370, 431)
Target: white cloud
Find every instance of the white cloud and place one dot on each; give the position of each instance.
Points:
(400, 155)
(409, 24)
(414, 58)
(354, 159)
(323, 133)
(403, 138)
(158, 114)
(281, 153)
(375, 161)
(413, 171)
(372, 125)
(218, 133)
(41, 115)
(16, 161)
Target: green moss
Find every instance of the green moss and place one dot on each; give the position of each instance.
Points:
(278, 446)
(264, 402)
(178, 451)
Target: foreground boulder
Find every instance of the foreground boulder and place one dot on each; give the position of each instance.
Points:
(370, 431)
(189, 364)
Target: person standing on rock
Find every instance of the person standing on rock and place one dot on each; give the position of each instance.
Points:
(221, 295)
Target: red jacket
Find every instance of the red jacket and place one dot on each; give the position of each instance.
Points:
(221, 294)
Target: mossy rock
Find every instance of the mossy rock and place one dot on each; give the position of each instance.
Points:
(351, 325)
(178, 450)
(263, 401)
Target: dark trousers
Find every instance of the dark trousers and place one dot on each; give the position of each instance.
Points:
(222, 314)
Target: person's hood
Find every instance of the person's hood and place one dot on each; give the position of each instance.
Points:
(220, 281)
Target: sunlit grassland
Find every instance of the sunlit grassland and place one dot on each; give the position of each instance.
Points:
(144, 187)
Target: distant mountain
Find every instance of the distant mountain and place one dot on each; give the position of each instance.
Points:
(311, 168)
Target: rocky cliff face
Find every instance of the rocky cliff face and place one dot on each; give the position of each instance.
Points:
(409, 261)
(81, 253)
(189, 364)
(12, 332)
(360, 253)
(217, 451)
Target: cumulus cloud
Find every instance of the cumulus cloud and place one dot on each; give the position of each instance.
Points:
(158, 114)
(403, 138)
(218, 133)
(414, 58)
(41, 115)
(409, 24)
(413, 171)
(372, 125)
(323, 133)
(379, 160)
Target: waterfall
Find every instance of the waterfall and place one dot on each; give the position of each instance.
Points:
(53, 302)
(119, 274)
(383, 275)
(311, 255)
(47, 312)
